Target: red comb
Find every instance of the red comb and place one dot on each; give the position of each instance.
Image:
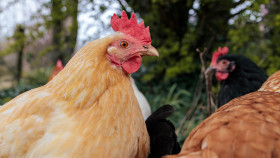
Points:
(217, 54)
(131, 27)
(59, 64)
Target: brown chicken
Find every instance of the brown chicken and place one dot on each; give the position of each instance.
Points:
(88, 109)
(246, 127)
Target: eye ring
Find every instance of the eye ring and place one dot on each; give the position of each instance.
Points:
(124, 44)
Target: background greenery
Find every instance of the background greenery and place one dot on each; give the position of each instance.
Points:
(178, 28)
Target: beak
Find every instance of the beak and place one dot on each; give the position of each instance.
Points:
(210, 69)
(149, 51)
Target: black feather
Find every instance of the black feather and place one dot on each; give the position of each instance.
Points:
(163, 139)
(247, 77)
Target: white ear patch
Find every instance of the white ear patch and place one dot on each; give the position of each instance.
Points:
(112, 50)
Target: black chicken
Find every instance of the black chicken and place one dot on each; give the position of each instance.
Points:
(237, 74)
(163, 139)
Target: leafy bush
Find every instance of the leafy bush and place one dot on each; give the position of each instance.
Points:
(8, 94)
(32, 80)
(181, 100)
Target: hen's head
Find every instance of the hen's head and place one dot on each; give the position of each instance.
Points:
(130, 43)
(221, 65)
(57, 69)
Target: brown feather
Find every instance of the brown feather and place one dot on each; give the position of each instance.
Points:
(272, 84)
(248, 126)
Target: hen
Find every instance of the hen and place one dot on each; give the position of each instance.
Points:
(248, 126)
(59, 66)
(237, 74)
(88, 109)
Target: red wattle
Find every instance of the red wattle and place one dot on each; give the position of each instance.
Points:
(132, 64)
(114, 60)
(221, 76)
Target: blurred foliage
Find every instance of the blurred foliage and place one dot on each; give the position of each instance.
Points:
(19, 41)
(31, 80)
(174, 98)
(178, 28)
(64, 25)
(18, 44)
(247, 27)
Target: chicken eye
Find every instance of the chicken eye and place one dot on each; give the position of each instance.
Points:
(124, 44)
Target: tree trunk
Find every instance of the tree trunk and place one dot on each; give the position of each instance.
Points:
(65, 29)
(56, 23)
(20, 39)
(71, 35)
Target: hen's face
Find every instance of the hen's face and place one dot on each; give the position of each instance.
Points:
(127, 52)
(223, 67)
